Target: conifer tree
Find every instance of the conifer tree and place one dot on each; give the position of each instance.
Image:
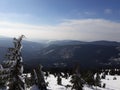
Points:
(89, 78)
(38, 78)
(15, 65)
(34, 78)
(103, 75)
(59, 80)
(41, 80)
(3, 77)
(104, 85)
(46, 74)
(97, 80)
(77, 80)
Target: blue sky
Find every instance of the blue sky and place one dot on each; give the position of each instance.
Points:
(70, 19)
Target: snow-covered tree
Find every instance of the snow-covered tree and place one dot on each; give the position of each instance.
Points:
(15, 65)
(59, 80)
(41, 80)
(38, 78)
(3, 77)
(89, 78)
(97, 80)
(77, 81)
(104, 85)
(34, 78)
(103, 75)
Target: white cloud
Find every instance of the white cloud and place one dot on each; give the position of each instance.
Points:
(81, 29)
(108, 11)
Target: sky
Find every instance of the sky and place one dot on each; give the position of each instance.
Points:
(86, 20)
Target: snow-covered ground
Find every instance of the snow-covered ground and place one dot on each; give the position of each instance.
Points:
(53, 83)
(110, 84)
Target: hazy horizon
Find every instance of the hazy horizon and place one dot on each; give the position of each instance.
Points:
(50, 40)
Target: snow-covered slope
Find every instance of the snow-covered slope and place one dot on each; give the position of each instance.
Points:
(111, 84)
(53, 83)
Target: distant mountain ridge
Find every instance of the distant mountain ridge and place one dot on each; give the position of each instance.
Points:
(67, 53)
(75, 42)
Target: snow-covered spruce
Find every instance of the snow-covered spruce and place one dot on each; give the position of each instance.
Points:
(13, 67)
(38, 78)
